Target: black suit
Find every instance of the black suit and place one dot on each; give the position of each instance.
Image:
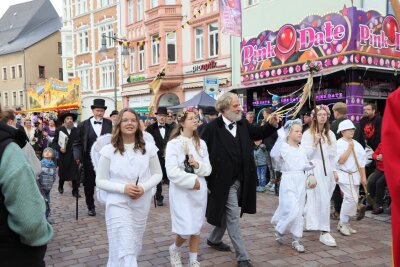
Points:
(161, 144)
(67, 167)
(82, 148)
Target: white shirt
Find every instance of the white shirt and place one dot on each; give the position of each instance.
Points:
(68, 130)
(162, 130)
(96, 127)
(227, 122)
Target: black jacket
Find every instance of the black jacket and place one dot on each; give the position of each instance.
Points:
(372, 129)
(215, 135)
(66, 163)
(161, 143)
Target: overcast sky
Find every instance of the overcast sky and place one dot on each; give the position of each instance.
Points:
(5, 4)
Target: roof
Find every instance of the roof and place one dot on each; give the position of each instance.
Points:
(25, 24)
(201, 99)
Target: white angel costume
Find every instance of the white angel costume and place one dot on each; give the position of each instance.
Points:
(318, 200)
(187, 206)
(125, 217)
(288, 217)
(349, 176)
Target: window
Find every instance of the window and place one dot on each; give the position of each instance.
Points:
(171, 47)
(19, 71)
(390, 10)
(66, 10)
(107, 76)
(59, 48)
(130, 12)
(108, 30)
(213, 39)
(103, 3)
(14, 99)
(84, 77)
(41, 72)
(170, 2)
(251, 2)
(21, 98)
(6, 99)
(80, 7)
(155, 49)
(199, 43)
(141, 58)
(83, 42)
(60, 74)
(68, 46)
(131, 60)
(154, 3)
(4, 73)
(139, 10)
(13, 74)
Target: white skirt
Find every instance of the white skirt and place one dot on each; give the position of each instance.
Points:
(288, 217)
(188, 208)
(126, 222)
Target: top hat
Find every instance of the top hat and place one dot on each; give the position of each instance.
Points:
(99, 103)
(162, 111)
(62, 116)
(210, 111)
(114, 112)
(307, 113)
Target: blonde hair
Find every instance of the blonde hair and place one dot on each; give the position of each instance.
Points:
(326, 128)
(340, 107)
(177, 130)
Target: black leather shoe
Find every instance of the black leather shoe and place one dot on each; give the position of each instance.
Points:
(61, 190)
(160, 203)
(244, 264)
(74, 194)
(220, 247)
(92, 212)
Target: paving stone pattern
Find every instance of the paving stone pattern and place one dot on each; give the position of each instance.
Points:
(83, 242)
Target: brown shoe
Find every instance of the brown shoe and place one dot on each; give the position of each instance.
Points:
(361, 212)
(377, 211)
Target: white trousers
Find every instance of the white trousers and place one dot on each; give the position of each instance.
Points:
(350, 200)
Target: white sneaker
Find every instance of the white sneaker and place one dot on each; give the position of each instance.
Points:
(175, 258)
(343, 229)
(352, 231)
(268, 185)
(297, 246)
(327, 239)
(272, 188)
(194, 263)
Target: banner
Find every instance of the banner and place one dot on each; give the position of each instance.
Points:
(231, 17)
(350, 36)
(54, 94)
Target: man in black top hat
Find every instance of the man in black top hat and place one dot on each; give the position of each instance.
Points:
(210, 114)
(67, 167)
(160, 132)
(88, 131)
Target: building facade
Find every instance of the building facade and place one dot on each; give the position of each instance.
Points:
(84, 23)
(183, 36)
(30, 50)
(359, 57)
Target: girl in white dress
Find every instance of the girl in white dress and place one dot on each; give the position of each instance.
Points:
(293, 160)
(318, 201)
(187, 163)
(351, 171)
(127, 170)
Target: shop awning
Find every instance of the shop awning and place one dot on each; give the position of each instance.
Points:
(55, 108)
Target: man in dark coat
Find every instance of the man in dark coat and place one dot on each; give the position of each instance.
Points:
(233, 180)
(88, 131)
(210, 114)
(67, 167)
(161, 132)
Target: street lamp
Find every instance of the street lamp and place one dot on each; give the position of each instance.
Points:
(104, 50)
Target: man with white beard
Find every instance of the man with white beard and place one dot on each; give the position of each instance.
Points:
(232, 182)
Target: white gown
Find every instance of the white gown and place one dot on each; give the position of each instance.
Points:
(318, 200)
(126, 218)
(187, 206)
(288, 217)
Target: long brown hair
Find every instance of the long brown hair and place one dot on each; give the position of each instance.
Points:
(117, 140)
(178, 129)
(326, 128)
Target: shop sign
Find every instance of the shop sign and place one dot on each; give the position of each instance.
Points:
(350, 36)
(328, 96)
(132, 79)
(211, 86)
(205, 67)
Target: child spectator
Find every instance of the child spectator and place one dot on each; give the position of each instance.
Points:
(260, 157)
(351, 172)
(47, 177)
(377, 181)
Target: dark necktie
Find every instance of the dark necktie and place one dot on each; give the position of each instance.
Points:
(97, 122)
(230, 126)
(161, 126)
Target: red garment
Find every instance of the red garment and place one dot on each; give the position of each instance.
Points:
(379, 163)
(391, 150)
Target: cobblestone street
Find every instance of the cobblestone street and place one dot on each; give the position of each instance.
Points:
(84, 242)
